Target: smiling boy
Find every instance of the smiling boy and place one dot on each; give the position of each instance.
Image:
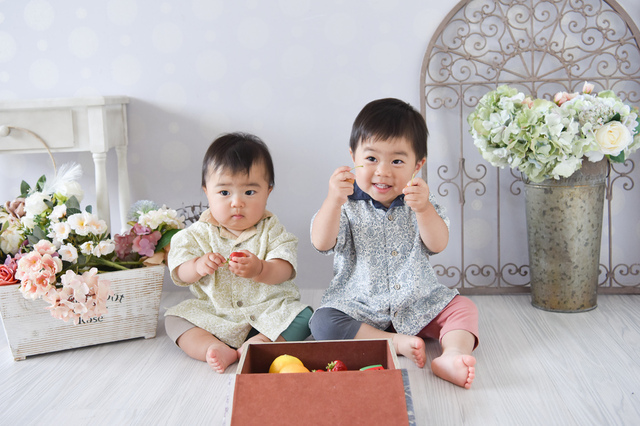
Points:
(382, 228)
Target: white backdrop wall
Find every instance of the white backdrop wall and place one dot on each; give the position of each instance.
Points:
(294, 72)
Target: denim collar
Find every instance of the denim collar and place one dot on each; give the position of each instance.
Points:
(359, 194)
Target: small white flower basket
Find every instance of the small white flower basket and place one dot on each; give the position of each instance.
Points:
(133, 313)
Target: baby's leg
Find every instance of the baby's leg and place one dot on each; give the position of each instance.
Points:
(456, 364)
(201, 345)
(411, 347)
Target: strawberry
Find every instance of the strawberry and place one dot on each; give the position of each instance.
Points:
(336, 365)
(317, 371)
(237, 254)
(234, 254)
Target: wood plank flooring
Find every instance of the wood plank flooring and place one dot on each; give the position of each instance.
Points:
(534, 368)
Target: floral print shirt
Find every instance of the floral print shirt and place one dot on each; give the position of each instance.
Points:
(382, 273)
(226, 305)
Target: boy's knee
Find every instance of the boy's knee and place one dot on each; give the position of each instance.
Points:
(469, 307)
(332, 324)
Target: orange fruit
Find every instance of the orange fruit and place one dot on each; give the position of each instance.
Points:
(294, 368)
(282, 361)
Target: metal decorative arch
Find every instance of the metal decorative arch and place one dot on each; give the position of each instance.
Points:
(541, 48)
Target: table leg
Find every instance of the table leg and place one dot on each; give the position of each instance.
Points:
(102, 189)
(123, 186)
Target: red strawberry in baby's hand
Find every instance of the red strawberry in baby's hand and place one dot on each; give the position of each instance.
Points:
(234, 254)
(336, 365)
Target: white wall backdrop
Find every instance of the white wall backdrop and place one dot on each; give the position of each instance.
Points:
(294, 72)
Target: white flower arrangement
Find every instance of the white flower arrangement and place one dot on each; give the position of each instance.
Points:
(55, 251)
(545, 139)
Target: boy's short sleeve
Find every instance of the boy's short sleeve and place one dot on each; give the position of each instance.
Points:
(340, 241)
(440, 209)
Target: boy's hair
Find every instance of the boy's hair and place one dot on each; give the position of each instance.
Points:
(390, 118)
(236, 153)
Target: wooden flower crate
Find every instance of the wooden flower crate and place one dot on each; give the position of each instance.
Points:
(133, 312)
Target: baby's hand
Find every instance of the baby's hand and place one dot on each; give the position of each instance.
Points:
(341, 185)
(246, 266)
(416, 195)
(208, 263)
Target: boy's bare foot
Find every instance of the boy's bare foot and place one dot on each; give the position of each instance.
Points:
(220, 356)
(456, 368)
(411, 347)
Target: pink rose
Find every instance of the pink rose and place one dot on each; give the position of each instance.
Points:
(562, 97)
(7, 275)
(587, 88)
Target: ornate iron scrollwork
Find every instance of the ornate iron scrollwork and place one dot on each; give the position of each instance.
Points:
(541, 47)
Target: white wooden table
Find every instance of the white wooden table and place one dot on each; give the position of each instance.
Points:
(91, 124)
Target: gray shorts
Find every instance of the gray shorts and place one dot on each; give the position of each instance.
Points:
(176, 327)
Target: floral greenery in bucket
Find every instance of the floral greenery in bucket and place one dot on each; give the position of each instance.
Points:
(548, 139)
(55, 251)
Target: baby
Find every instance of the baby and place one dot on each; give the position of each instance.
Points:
(382, 228)
(238, 260)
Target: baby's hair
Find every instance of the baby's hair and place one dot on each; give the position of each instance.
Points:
(237, 153)
(390, 118)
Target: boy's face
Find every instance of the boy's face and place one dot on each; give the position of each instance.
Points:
(238, 201)
(387, 167)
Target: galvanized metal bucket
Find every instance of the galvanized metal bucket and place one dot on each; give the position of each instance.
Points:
(564, 231)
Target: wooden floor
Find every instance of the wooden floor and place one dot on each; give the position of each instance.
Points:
(534, 368)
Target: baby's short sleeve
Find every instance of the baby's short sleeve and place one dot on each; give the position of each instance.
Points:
(281, 244)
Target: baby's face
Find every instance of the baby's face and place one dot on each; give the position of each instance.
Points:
(387, 167)
(238, 201)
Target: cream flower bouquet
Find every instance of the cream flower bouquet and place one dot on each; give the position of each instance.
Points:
(546, 139)
(55, 251)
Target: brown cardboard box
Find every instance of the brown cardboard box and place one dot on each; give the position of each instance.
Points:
(348, 397)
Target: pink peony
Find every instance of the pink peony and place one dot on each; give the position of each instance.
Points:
(37, 273)
(81, 297)
(44, 247)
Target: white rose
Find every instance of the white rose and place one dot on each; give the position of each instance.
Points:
(35, 205)
(27, 222)
(613, 137)
(10, 240)
(60, 231)
(104, 248)
(58, 212)
(68, 253)
(87, 248)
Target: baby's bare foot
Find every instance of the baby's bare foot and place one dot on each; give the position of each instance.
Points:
(456, 368)
(220, 356)
(412, 347)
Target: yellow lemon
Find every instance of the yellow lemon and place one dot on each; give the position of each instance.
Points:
(294, 368)
(283, 360)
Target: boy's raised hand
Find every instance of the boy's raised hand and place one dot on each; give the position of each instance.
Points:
(208, 263)
(341, 185)
(416, 195)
